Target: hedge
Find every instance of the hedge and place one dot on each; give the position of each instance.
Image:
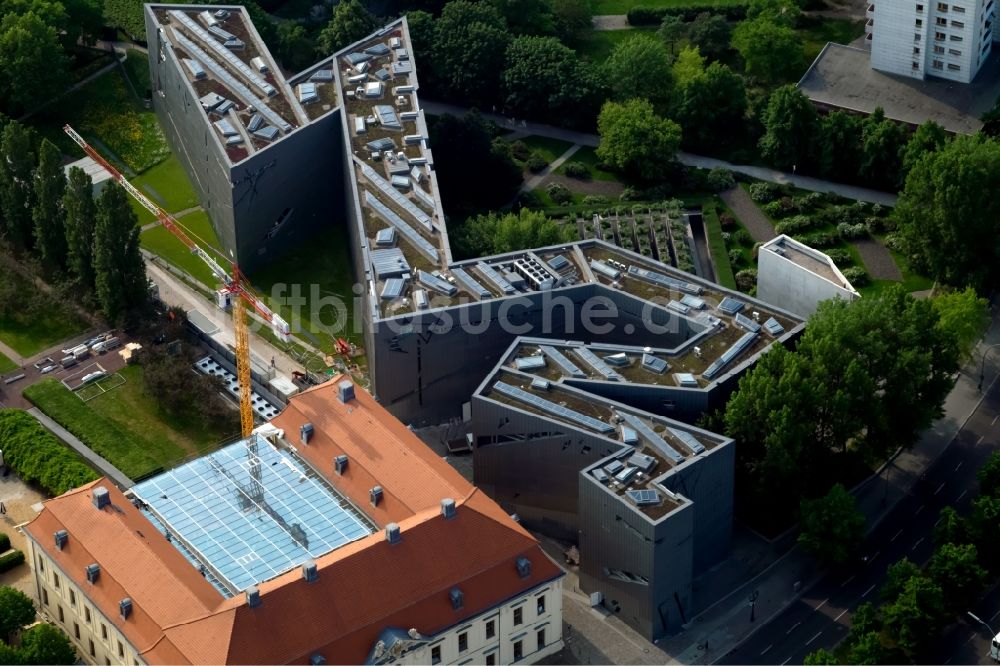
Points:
(4, 543)
(736, 10)
(11, 560)
(36, 456)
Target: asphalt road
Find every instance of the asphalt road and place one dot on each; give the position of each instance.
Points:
(821, 618)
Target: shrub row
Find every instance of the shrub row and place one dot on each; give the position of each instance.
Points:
(36, 456)
(735, 11)
(4, 543)
(11, 560)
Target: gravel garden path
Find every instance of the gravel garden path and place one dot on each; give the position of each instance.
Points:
(877, 259)
(749, 214)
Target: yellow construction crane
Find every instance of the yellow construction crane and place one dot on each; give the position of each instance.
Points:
(236, 290)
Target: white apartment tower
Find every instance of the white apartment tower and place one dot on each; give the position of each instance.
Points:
(919, 38)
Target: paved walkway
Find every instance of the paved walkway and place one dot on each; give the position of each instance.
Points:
(749, 213)
(537, 179)
(726, 624)
(877, 260)
(761, 173)
(11, 354)
(612, 22)
(106, 468)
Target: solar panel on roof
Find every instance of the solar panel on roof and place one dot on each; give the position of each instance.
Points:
(663, 280)
(552, 408)
(251, 530)
(393, 289)
(730, 354)
(529, 362)
(687, 439)
(604, 269)
(558, 262)
(629, 436)
(412, 235)
(564, 363)
(644, 497)
(626, 474)
(256, 120)
(774, 327)
(730, 305)
(380, 145)
(651, 437)
(223, 107)
(746, 323)
(654, 364)
(470, 285)
(307, 92)
(225, 127)
(399, 199)
(597, 364)
(693, 302)
(324, 75)
(436, 283)
(379, 49)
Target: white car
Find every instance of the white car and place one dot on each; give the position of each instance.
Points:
(47, 369)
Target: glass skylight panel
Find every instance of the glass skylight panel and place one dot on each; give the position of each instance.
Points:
(731, 306)
(470, 285)
(693, 302)
(422, 244)
(530, 362)
(393, 289)
(493, 276)
(558, 262)
(687, 439)
(597, 364)
(774, 327)
(604, 269)
(399, 199)
(730, 354)
(654, 440)
(654, 364)
(552, 408)
(389, 262)
(437, 284)
(677, 306)
(567, 366)
(643, 497)
(686, 379)
(662, 280)
(746, 323)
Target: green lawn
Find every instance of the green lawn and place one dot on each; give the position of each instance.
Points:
(588, 157)
(717, 246)
(6, 364)
(137, 69)
(320, 272)
(168, 186)
(816, 32)
(598, 44)
(125, 426)
(38, 321)
(547, 147)
(601, 7)
(162, 242)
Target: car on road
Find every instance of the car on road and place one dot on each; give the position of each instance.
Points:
(47, 369)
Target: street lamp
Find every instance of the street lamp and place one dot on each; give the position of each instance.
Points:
(982, 365)
(977, 619)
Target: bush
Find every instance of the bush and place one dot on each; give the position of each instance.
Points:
(818, 239)
(763, 192)
(746, 279)
(11, 560)
(686, 12)
(894, 242)
(36, 456)
(559, 193)
(726, 221)
(742, 237)
(849, 215)
(809, 201)
(875, 225)
(576, 170)
(630, 194)
(735, 257)
(4, 543)
(795, 224)
(720, 180)
(852, 231)
(856, 276)
(535, 163)
(840, 256)
(519, 150)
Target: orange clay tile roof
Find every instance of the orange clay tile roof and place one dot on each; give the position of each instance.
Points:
(362, 587)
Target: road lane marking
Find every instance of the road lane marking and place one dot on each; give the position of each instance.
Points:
(896, 535)
(847, 581)
(865, 593)
(979, 441)
(877, 553)
(917, 543)
(821, 604)
(994, 616)
(786, 661)
(792, 629)
(818, 634)
(958, 465)
(940, 518)
(994, 421)
(766, 649)
(939, 489)
(962, 495)
(919, 510)
(837, 619)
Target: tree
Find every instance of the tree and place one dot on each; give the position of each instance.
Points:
(48, 213)
(840, 146)
(545, 80)
(167, 379)
(670, 31)
(78, 203)
(821, 657)
(928, 138)
(639, 67)
(915, 617)
(832, 526)
(295, 49)
(956, 569)
(771, 51)
(45, 644)
(790, 129)
(120, 274)
(711, 34)
(571, 19)
(951, 527)
(635, 140)
(689, 65)
(495, 234)
(32, 62)
(350, 22)
(17, 164)
(947, 213)
(470, 46)
(16, 610)
(526, 17)
(712, 107)
(422, 35)
(865, 619)
(867, 650)
(984, 528)
(780, 12)
(882, 141)
(964, 316)
(896, 577)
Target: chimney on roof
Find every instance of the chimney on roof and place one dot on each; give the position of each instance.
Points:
(306, 432)
(62, 536)
(125, 606)
(309, 571)
(345, 391)
(253, 596)
(375, 495)
(93, 572)
(340, 464)
(448, 507)
(101, 496)
(392, 533)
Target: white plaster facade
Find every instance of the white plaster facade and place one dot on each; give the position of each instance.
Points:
(796, 277)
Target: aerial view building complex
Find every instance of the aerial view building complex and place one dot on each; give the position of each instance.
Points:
(332, 534)
(796, 277)
(580, 347)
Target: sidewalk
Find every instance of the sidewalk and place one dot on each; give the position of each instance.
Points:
(106, 468)
(592, 140)
(726, 624)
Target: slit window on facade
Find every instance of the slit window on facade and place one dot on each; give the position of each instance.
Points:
(76, 630)
(104, 632)
(55, 580)
(955, 68)
(436, 654)
(541, 605)
(91, 647)
(491, 659)
(463, 641)
(491, 629)
(956, 38)
(86, 615)
(121, 650)
(957, 24)
(518, 616)
(518, 650)
(41, 564)
(72, 598)
(45, 597)
(62, 617)
(541, 638)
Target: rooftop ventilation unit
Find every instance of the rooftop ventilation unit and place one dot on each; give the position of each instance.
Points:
(523, 567)
(62, 536)
(375, 495)
(392, 534)
(448, 507)
(93, 572)
(457, 598)
(340, 465)
(253, 596)
(309, 571)
(345, 391)
(125, 607)
(306, 432)
(101, 497)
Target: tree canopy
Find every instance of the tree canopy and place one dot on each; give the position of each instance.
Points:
(16, 610)
(350, 22)
(790, 128)
(120, 274)
(947, 213)
(896, 577)
(928, 138)
(639, 67)
(526, 17)
(840, 146)
(955, 567)
(78, 204)
(913, 618)
(635, 140)
(33, 66)
(45, 644)
(964, 316)
(497, 233)
(710, 106)
(989, 475)
(882, 141)
(469, 53)
(771, 51)
(711, 34)
(48, 214)
(832, 526)
(17, 165)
